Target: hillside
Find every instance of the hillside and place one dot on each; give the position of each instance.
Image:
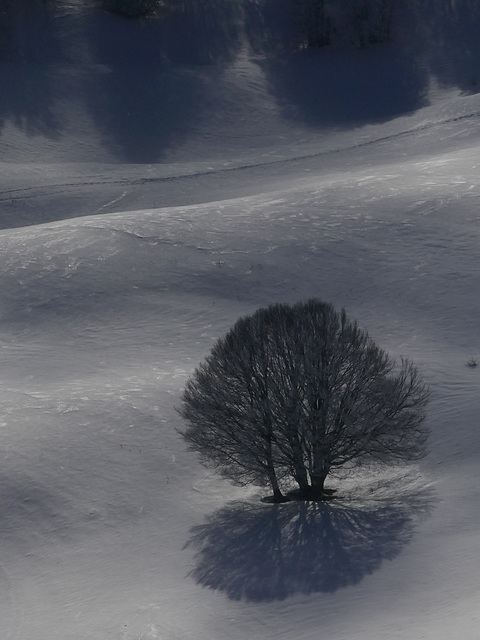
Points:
(143, 209)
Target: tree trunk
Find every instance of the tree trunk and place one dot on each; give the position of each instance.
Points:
(301, 477)
(319, 471)
(278, 495)
(318, 482)
(294, 457)
(317, 479)
(272, 476)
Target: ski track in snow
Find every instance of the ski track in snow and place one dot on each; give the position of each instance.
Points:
(15, 196)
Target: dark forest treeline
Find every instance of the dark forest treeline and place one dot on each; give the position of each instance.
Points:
(273, 25)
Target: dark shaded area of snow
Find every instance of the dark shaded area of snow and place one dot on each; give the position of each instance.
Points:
(264, 553)
(148, 84)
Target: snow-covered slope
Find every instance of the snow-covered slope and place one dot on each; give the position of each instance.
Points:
(116, 278)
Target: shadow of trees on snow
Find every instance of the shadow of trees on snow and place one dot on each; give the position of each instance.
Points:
(152, 90)
(338, 84)
(147, 83)
(28, 88)
(344, 86)
(259, 552)
(141, 80)
(449, 32)
(140, 111)
(347, 87)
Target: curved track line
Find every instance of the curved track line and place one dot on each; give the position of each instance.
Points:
(11, 194)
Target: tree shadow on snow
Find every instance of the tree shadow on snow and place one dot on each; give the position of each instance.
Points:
(211, 31)
(338, 85)
(150, 86)
(342, 86)
(141, 112)
(260, 553)
(28, 512)
(346, 88)
(30, 40)
(450, 32)
(27, 100)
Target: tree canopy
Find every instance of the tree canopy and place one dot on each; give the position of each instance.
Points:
(293, 392)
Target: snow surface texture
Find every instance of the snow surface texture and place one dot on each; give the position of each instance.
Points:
(118, 273)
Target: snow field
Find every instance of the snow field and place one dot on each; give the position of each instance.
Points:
(116, 278)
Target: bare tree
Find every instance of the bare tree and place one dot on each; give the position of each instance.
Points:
(293, 392)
